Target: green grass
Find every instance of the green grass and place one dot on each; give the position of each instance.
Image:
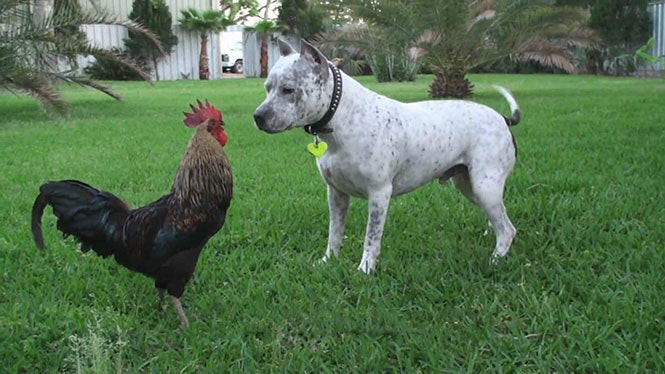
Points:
(582, 288)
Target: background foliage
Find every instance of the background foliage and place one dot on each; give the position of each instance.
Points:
(156, 17)
(624, 26)
(453, 37)
(565, 43)
(301, 17)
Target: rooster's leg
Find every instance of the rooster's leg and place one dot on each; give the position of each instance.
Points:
(181, 312)
(160, 293)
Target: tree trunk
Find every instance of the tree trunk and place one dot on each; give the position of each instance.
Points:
(204, 70)
(154, 64)
(263, 59)
(42, 9)
(264, 55)
(453, 85)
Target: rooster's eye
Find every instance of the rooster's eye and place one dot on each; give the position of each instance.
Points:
(287, 90)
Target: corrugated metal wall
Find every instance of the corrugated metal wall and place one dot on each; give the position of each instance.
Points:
(183, 62)
(657, 10)
(252, 51)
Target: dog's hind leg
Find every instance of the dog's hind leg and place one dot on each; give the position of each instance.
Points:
(338, 206)
(379, 200)
(462, 182)
(488, 192)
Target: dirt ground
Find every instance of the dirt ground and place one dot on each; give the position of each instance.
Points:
(232, 75)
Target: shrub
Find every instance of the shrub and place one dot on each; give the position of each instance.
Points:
(391, 67)
(107, 69)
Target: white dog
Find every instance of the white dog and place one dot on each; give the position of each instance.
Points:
(378, 147)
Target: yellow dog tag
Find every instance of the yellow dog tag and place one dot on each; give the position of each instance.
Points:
(317, 149)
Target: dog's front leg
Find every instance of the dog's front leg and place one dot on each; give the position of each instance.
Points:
(378, 210)
(338, 206)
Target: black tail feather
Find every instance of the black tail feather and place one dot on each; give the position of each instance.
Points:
(93, 216)
(37, 212)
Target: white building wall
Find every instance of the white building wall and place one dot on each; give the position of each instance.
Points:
(657, 10)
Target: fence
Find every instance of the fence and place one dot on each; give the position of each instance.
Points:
(657, 10)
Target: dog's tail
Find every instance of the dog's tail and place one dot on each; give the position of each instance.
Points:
(514, 108)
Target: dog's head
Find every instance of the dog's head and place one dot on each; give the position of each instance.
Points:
(297, 89)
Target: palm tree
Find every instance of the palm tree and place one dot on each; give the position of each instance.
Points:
(264, 28)
(455, 36)
(39, 49)
(204, 22)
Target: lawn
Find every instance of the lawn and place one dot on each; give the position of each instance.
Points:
(582, 289)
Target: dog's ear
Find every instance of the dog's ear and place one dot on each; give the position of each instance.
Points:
(284, 48)
(310, 52)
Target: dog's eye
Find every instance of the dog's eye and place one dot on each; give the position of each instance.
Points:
(287, 90)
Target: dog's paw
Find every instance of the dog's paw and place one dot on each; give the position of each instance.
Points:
(488, 229)
(497, 257)
(367, 265)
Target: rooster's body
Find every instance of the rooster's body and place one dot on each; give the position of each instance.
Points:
(164, 239)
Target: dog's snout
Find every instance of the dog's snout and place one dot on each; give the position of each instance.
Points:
(263, 117)
(259, 120)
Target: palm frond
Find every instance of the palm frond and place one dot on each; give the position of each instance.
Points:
(10, 9)
(36, 53)
(546, 52)
(37, 85)
(87, 82)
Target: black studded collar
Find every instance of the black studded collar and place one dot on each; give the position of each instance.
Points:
(319, 127)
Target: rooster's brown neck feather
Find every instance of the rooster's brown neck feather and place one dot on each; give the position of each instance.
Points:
(203, 182)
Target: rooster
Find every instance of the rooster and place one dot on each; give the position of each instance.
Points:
(164, 239)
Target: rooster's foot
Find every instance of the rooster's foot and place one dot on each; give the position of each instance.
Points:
(184, 323)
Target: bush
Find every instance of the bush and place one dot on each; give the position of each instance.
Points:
(624, 26)
(507, 65)
(106, 69)
(390, 67)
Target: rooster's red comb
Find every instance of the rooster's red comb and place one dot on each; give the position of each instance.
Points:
(201, 114)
